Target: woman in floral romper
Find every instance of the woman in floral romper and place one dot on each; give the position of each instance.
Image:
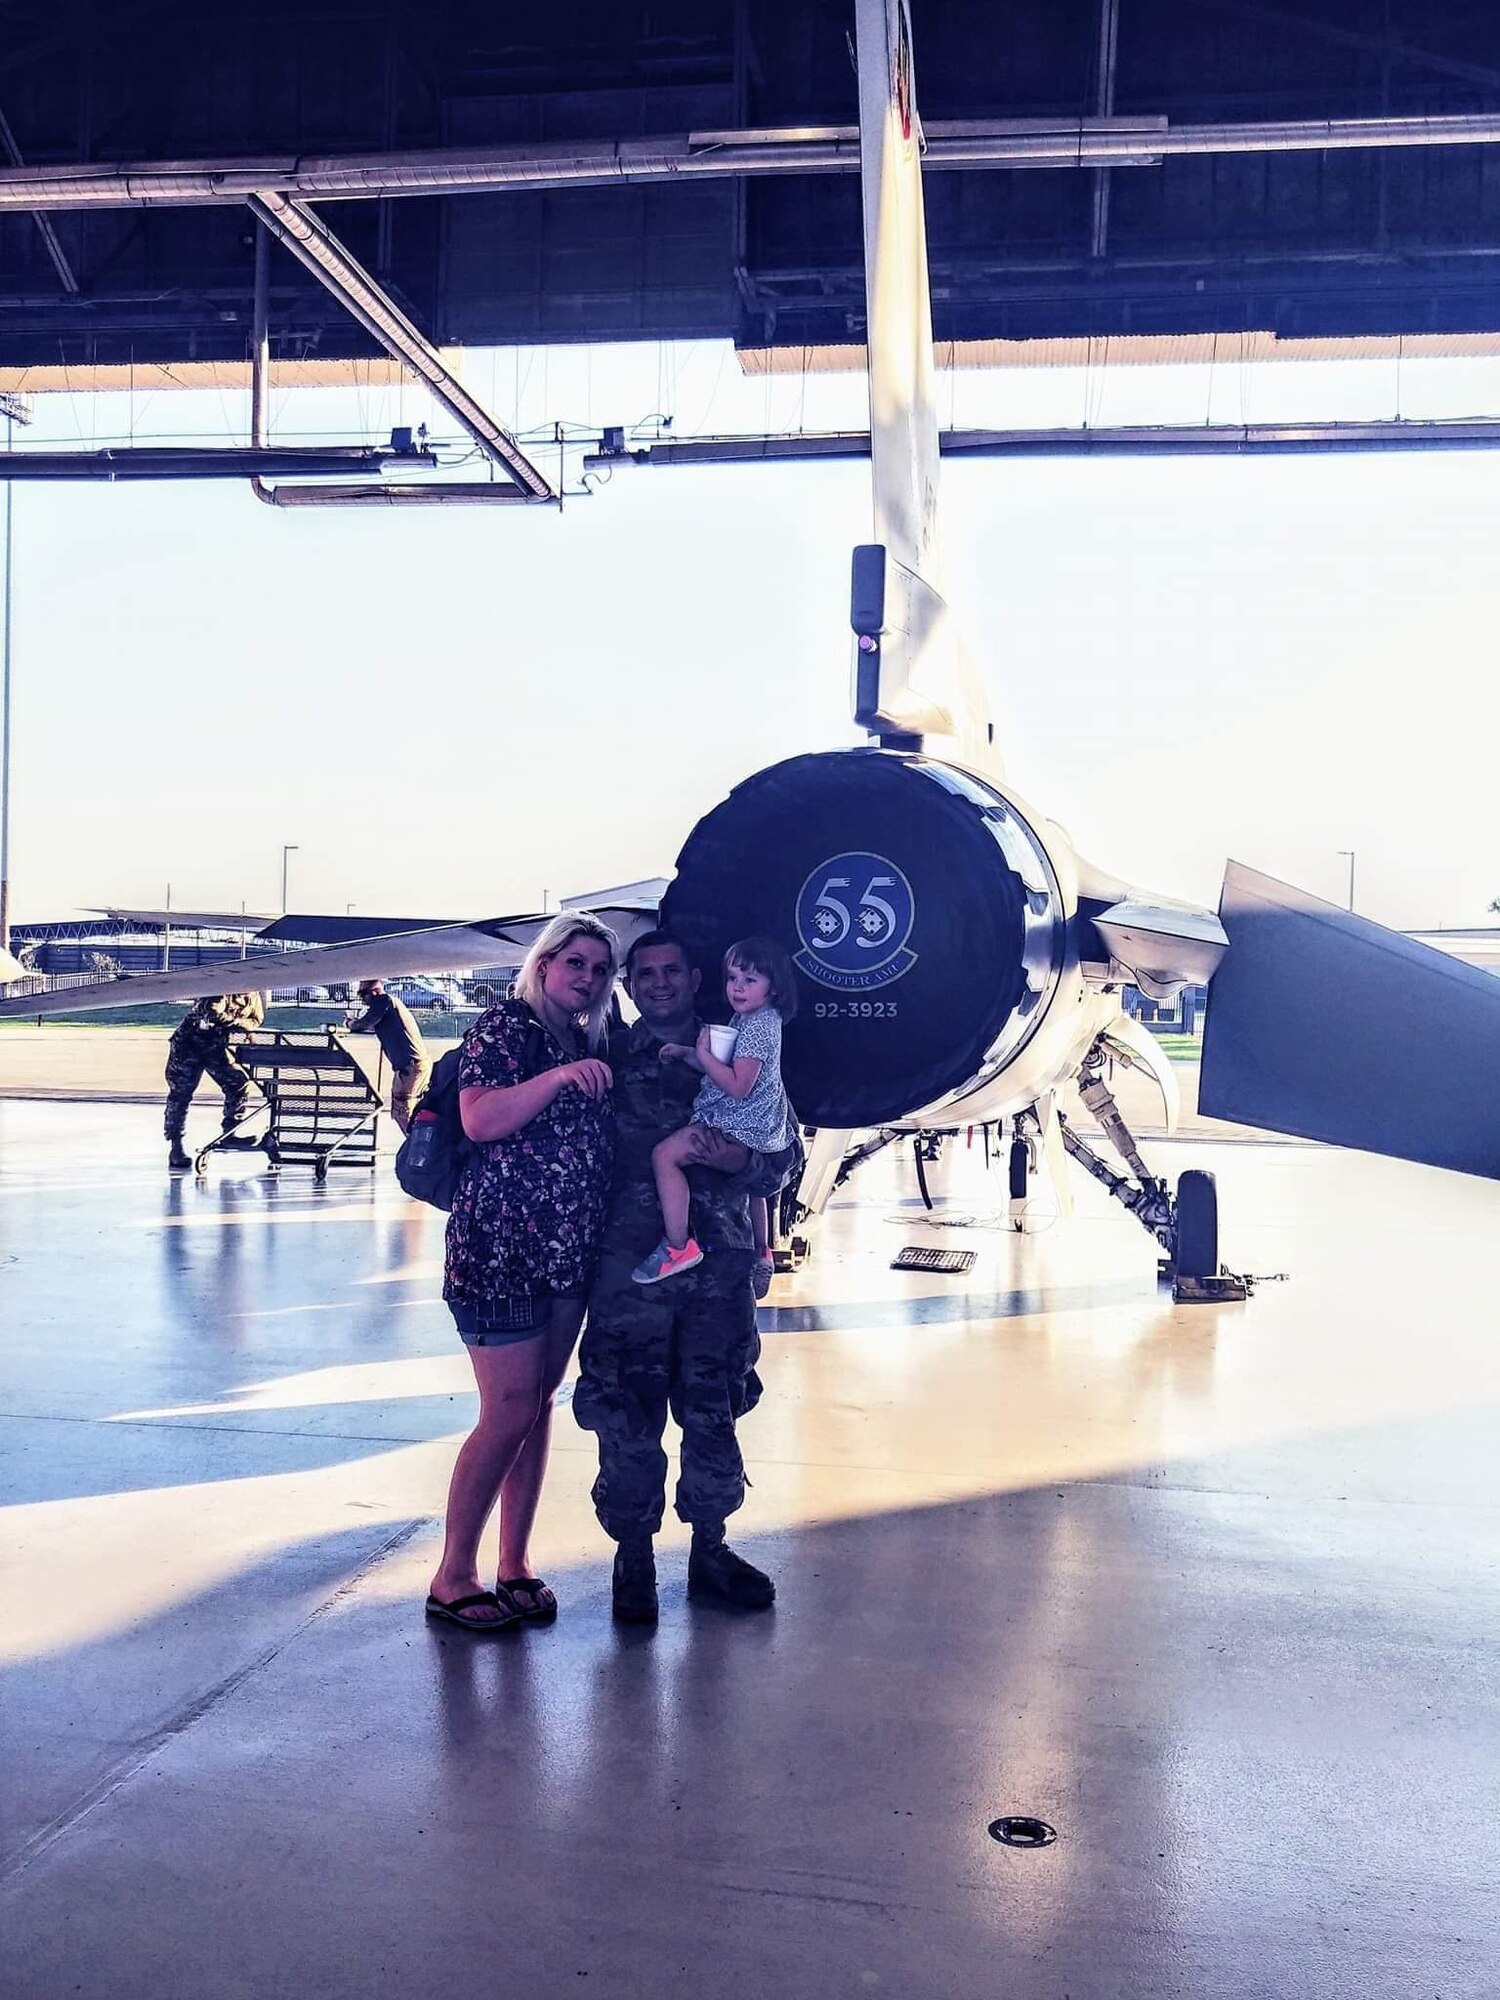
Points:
(522, 1238)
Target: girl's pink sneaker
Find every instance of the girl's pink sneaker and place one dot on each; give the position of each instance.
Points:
(665, 1262)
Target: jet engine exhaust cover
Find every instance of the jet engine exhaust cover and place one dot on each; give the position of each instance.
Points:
(885, 877)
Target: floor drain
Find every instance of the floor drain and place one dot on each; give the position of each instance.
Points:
(917, 1257)
(1016, 1830)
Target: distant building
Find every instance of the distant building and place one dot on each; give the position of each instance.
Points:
(1479, 947)
(137, 940)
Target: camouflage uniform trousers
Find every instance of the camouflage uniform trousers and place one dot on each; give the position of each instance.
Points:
(192, 1051)
(690, 1346)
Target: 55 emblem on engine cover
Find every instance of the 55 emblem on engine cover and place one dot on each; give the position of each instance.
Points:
(854, 915)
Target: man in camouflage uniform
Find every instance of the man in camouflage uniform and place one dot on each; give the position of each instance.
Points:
(201, 1042)
(689, 1347)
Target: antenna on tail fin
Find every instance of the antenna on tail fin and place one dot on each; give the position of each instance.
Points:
(910, 681)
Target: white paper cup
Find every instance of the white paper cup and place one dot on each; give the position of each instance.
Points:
(722, 1041)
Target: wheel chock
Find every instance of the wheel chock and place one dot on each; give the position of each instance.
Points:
(1226, 1286)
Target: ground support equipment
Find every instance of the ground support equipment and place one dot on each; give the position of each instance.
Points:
(324, 1111)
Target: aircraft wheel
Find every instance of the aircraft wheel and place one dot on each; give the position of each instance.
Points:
(1197, 1225)
(787, 1212)
(791, 1254)
(1020, 1169)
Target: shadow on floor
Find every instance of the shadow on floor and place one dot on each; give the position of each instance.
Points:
(1220, 1703)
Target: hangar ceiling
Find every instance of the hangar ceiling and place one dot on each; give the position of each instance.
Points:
(1304, 243)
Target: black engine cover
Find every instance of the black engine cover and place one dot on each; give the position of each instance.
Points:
(882, 875)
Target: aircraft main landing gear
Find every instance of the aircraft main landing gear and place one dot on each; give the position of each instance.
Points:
(926, 1150)
(1025, 1158)
(1187, 1227)
(791, 1245)
(1197, 1225)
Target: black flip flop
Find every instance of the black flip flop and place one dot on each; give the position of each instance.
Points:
(543, 1608)
(448, 1613)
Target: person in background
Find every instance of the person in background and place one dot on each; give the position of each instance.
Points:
(522, 1240)
(390, 1021)
(200, 1042)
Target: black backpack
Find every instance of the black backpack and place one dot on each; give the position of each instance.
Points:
(433, 1157)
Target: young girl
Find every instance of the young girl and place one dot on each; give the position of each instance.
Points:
(741, 1107)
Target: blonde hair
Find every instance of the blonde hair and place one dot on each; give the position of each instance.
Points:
(557, 936)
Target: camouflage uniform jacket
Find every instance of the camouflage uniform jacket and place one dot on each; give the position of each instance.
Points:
(200, 1042)
(229, 1010)
(689, 1346)
(651, 1099)
(210, 1023)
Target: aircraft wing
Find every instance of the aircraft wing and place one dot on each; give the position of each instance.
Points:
(449, 948)
(1325, 1025)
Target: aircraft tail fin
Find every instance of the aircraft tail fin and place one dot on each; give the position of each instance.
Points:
(911, 681)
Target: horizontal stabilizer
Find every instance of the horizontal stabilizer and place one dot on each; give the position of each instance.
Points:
(450, 948)
(1329, 1027)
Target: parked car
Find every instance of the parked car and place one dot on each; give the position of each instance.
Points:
(483, 993)
(442, 995)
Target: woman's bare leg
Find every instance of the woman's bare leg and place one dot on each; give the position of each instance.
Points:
(510, 1398)
(523, 1483)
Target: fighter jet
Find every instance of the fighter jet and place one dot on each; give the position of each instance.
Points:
(961, 965)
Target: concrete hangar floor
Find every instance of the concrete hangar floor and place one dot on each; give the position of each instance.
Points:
(1210, 1589)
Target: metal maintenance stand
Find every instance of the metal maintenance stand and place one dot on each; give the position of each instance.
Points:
(324, 1110)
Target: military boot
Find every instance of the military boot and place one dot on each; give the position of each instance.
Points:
(718, 1575)
(178, 1162)
(633, 1586)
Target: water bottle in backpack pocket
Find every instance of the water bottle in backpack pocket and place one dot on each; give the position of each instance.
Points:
(433, 1156)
